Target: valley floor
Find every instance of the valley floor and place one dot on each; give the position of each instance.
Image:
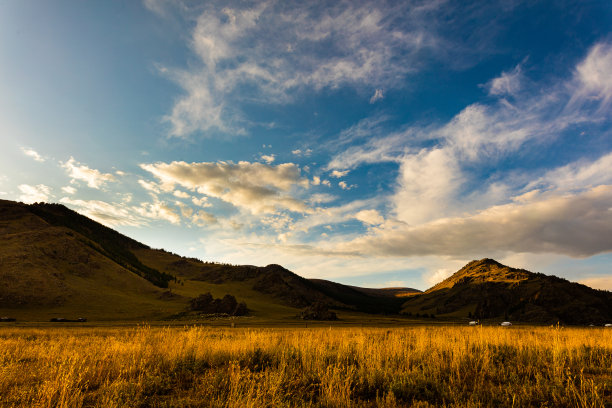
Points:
(318, 367)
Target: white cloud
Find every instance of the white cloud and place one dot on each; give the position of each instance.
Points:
(339, 174)
(376, 150)
(268, 158)
(69, 190)
(360, 45)
(378, 95)
(371, 217)
(180, 194)
(149, 186)
(256, 187)
(594, 75)
(426, 184)
(321, 198)
(203, 218)
(158, 210)
(508, 83)
(577, 225)
(93, 178)
(438, 276)
(200, 218)
(578, 175)
(33, 154)
(32, 194)
(105, 213)
(201, 202)
(343, 185)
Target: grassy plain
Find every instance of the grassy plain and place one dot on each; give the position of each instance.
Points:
(419, 366)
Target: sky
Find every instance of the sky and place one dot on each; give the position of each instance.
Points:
(370, 143)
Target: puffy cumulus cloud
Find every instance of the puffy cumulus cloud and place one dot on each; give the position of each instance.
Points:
(268, 158)
(577, 225)
(339, 174)
(200, 218)
(110, 214)
(437, 276)
(277, 50)
(201, 201)
(33, 154)
(370, 217)
(158, 210)
(256, 187)
(426, 183)
(32, 194)
(93, 178)
(345, 186)
(594, 75)
(180, 194)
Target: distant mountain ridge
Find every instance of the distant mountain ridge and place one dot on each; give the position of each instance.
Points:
(487, 289)
(56, 261)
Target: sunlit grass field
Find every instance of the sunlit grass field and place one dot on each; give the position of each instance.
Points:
(307, 367)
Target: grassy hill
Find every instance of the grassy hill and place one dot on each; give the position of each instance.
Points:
(56, 262)
(487, 289)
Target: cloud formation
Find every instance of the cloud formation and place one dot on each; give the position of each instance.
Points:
(275, 51)
(33, 194)
(33, 154)
(94, 178)
(578, 225)
(594, 75)
(256, 187)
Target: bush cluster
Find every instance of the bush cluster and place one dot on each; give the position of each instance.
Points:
(228, 304)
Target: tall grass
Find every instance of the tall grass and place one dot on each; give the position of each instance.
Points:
(337, 367)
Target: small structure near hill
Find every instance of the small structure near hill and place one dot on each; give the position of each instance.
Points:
(474, 323)
(7, 319)
(318, 311)
(608, 325)
(505, 324)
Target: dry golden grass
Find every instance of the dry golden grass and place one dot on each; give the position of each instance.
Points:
(338, 367)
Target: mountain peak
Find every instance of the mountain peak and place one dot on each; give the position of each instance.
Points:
(483, 270)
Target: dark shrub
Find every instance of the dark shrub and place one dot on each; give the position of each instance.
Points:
(207, 304)
(318, 311)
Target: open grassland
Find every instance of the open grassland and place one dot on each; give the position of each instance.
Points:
(317, 367)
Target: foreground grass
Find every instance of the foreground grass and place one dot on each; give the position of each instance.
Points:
(339, 367)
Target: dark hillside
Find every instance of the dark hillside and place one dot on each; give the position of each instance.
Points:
(110, 243)
(486, 289)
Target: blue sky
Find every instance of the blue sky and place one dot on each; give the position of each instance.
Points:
(371, 143)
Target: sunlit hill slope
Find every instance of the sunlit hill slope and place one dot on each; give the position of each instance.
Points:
(486, 289)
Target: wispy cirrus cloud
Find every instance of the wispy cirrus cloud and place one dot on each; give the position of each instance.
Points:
(275, 51)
